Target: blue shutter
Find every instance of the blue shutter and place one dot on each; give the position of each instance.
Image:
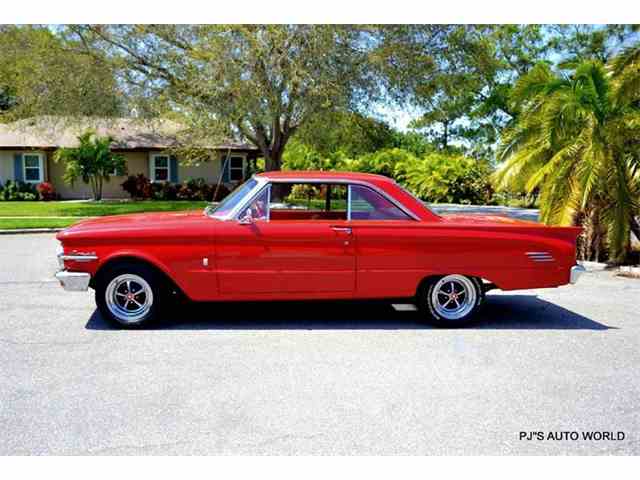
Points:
(18, 171)
(173, 162)
(225, 169)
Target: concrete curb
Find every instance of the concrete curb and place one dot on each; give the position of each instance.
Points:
(629, 271)
(19, 231)
(595, 266)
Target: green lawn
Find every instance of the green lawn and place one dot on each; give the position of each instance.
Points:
(40, 211)
(19, 223)
(92, 209)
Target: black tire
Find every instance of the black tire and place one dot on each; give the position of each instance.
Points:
(155, 282)
(434, 314)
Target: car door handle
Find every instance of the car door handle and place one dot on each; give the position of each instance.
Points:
(346, 230)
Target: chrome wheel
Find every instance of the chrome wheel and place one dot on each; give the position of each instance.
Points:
(129, 298)
(454, 296)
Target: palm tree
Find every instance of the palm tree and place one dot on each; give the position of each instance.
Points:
(577, 141)
(92, 161)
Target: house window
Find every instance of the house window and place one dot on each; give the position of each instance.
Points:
(236, 169)
(160, 168)
(33, 167)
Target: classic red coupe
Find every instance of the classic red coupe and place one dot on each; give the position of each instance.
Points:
(311, 235)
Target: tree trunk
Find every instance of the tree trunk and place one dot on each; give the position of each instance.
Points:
(96, 186)
(445, 137)
(92, 183)
(272, 144)
(273, 159)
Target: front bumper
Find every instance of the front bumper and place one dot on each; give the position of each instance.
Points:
(73, 281)
(576, 273)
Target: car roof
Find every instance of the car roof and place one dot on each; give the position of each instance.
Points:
(386, 184)
(322, 175)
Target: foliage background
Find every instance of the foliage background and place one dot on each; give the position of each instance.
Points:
(320, 96)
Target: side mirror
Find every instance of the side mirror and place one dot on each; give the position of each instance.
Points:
(247, 219)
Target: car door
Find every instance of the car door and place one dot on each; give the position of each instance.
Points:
(388, 246)
(295, 252)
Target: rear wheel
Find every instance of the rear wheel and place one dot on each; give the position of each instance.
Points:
(129, 295)
(451, 301)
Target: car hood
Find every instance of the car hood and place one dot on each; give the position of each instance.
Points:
(143, 222)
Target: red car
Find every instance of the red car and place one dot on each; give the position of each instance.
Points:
(312, 235)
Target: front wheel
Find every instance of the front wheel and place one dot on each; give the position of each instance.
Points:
(129, 295)
(451, 301)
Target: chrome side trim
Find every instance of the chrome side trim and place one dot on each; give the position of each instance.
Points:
(576, 273)
(268, 202)
(73, 281)
(79, 258)
(540, 256)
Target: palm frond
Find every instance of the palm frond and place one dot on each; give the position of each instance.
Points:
(628, 57)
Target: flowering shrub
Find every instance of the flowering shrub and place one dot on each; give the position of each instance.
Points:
(46, 191)
(140, 187)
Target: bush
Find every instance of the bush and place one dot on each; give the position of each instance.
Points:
(46, 191)
(139, 186)
(164, 191)
(434, 176)
(382, 162)
(18, 191)
(447, 178)
(195, 189)
(220, 194)
(517, 199)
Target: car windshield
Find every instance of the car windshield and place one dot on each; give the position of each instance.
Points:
(232, 200)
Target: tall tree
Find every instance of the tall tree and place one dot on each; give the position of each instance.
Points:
(42, 74)
(259, 82)
(576, 141)
(576, 43)
(466, 100)
(348, 133)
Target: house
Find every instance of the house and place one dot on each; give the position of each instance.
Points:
(27, 148)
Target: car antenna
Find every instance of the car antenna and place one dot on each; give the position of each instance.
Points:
(224, 166)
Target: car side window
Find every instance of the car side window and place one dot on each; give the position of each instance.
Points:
(307, 201)
(366, 204)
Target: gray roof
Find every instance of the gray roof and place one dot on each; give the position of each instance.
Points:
(128, 133)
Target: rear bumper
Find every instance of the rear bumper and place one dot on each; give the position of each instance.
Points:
(73, 281)
(576, 273)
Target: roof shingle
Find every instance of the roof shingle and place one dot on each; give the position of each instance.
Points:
(128, 133)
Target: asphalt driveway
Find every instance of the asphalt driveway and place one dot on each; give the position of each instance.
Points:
(321, 378)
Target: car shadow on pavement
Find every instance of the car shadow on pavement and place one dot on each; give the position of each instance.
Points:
(517, 312)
